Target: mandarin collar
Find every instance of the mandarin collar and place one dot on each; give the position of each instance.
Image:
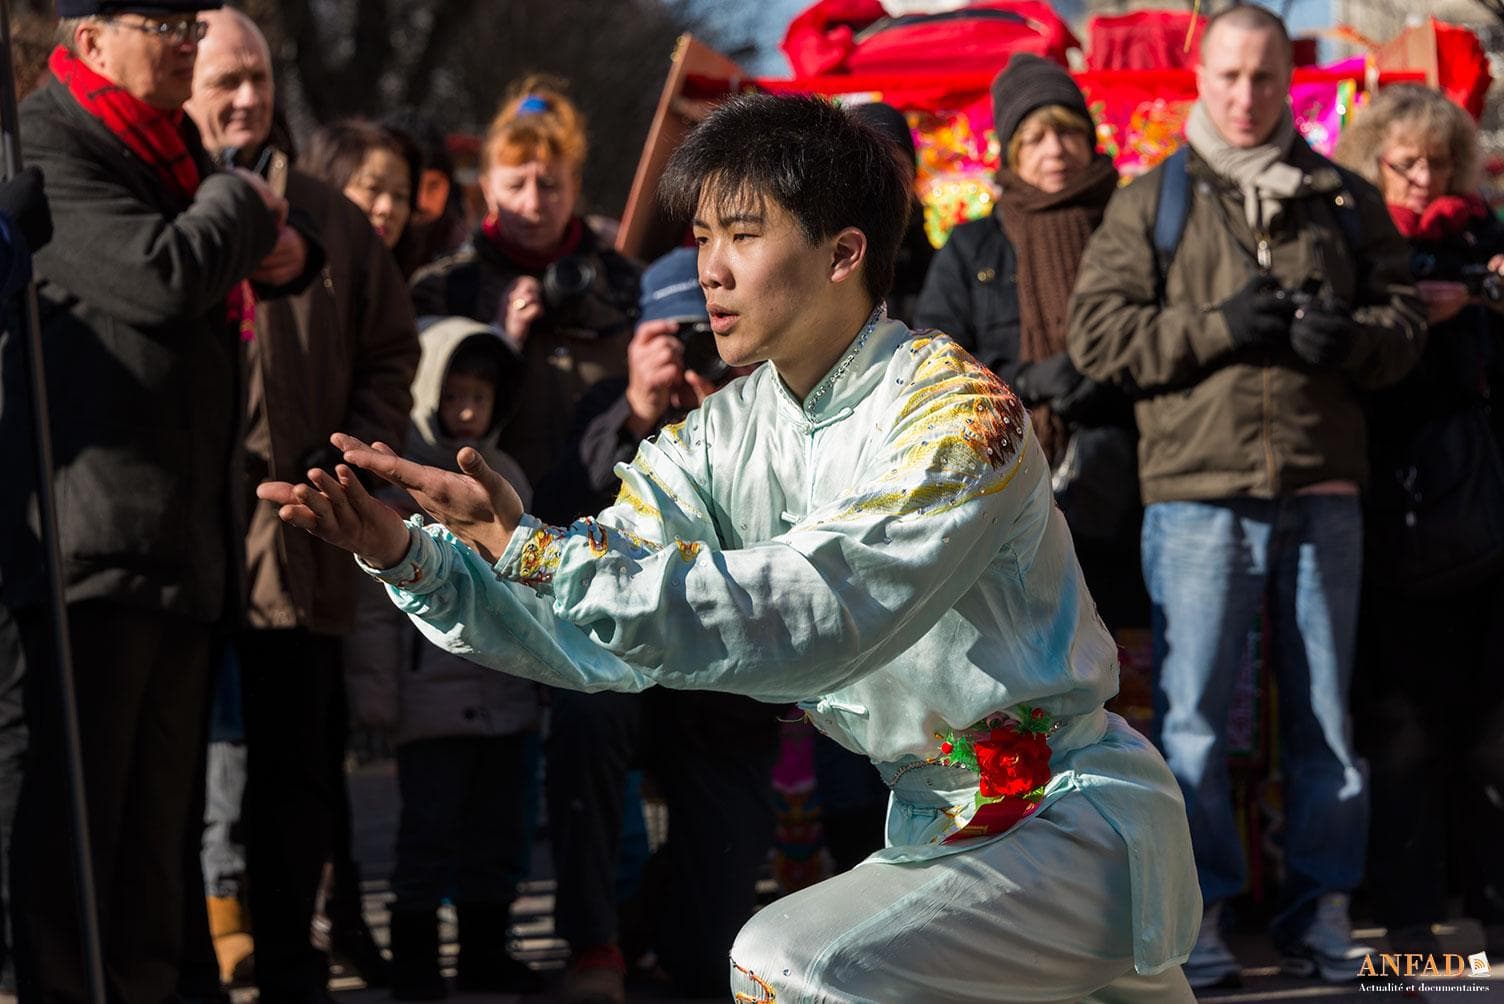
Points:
(853, 376)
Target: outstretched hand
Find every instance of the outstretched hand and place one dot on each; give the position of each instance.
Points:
(339, 510)
(476, 504)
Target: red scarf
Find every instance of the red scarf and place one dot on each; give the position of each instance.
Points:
(527, 259)
(1445, 217)
(152, 134)
(156, 137)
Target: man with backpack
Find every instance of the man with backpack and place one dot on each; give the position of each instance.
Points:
(1245, 293)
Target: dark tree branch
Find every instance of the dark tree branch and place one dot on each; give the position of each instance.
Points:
(309, 58)
(370, 57)
(449, 21)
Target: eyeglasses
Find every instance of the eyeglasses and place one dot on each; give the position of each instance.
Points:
(1408, 169)
(174, 32)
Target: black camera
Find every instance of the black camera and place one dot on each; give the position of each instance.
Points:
(1307, 293)
(700, 352)
(566, 280)
(582, 296)
(1480, 280)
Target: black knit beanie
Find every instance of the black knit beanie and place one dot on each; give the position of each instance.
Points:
(890, 122)
(1029, 82)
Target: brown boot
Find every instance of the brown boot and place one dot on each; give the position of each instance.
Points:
(232, 937)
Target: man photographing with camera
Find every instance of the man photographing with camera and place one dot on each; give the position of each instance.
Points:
(698, 888)
(1246, 351)
(672, 363)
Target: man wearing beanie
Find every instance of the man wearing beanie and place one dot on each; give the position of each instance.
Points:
(915, 252)
(146, 291)
(1251, 460)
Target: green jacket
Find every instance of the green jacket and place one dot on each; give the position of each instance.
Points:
(1214, 421)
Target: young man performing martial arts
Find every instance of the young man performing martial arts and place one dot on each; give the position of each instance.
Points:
(864, 526)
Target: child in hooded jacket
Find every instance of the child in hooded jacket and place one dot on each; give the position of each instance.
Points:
(460, 729)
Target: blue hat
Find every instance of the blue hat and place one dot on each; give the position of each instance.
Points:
(91, 8)
(671, 288)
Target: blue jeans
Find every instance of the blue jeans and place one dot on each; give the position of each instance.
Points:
(1209, 566)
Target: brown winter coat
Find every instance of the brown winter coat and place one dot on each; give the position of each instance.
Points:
(1215, 422)
(339, 357)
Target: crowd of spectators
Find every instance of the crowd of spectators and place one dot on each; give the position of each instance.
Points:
(1262, 380)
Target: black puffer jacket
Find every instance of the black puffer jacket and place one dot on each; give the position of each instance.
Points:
(143, 369)
(971, 294)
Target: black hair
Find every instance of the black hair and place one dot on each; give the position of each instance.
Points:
(477, 356)
(426, 136)
(824, 167)
(336, 151)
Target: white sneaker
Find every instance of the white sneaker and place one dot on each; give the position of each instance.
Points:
(1326, 949)
(1212, 964)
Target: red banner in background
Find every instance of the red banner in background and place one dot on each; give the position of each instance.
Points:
(859, 36)
(1139, 114)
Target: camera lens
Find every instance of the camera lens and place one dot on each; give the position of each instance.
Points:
(700, 354)
(567, 279)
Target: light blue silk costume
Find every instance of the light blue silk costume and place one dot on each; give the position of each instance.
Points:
(888, 554)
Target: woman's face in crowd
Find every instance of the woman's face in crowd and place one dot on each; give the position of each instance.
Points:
(382, 188)
(1050, 156)
(533, 201)
(1414, 170)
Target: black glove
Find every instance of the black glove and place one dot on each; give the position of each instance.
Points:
(1259, 314)
(1049, 378)
(1091, 405)
(1322, 334)
(24, 200)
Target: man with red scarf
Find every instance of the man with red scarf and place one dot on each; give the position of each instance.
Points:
(147, 290)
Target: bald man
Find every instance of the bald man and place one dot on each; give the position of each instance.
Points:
(342, 353)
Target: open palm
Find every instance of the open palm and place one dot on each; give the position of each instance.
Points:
(476, 504)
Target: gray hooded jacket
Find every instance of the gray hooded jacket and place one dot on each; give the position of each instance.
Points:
(396, 679)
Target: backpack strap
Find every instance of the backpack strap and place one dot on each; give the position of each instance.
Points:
(1348, 217)
(1173, 208)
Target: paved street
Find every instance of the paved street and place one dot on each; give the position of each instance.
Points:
(373, 790)
(374, 794)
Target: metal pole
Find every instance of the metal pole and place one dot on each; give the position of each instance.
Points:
(62, 648)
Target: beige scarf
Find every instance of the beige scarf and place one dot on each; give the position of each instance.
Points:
(1260, 171)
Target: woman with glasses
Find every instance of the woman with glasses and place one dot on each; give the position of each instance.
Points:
(1429, 691)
